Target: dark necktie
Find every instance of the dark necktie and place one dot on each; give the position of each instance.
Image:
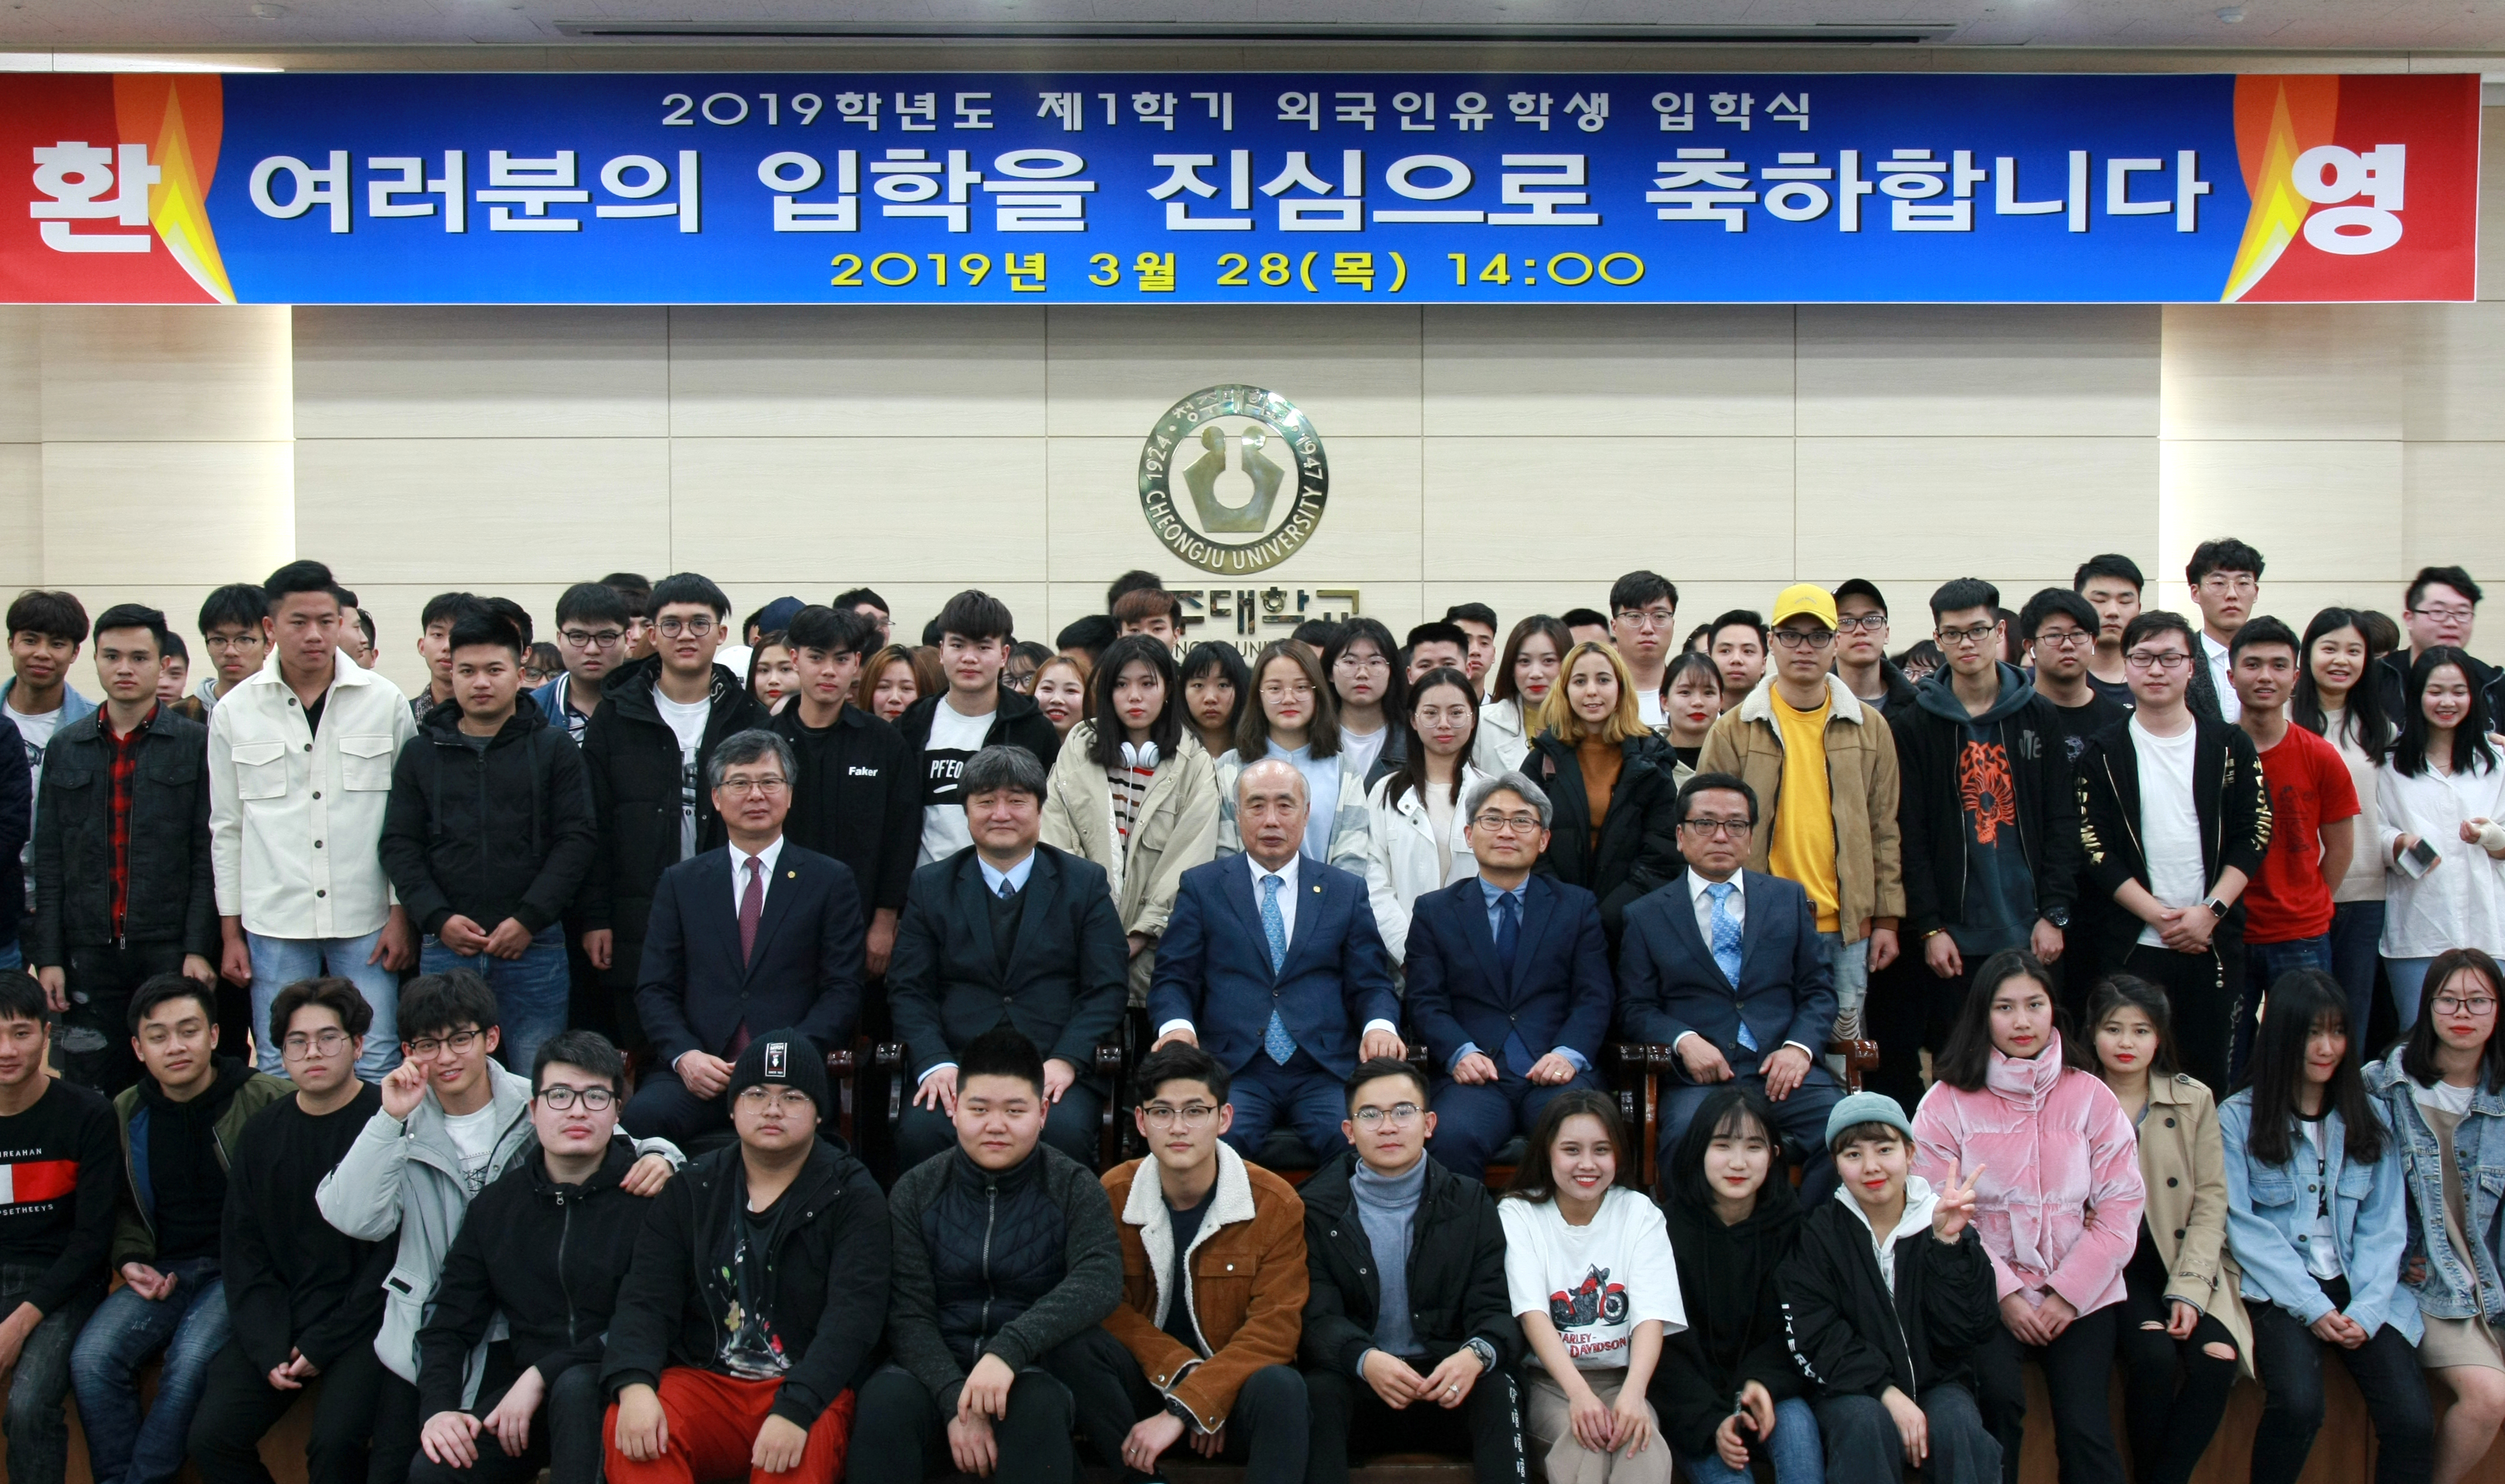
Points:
(1508, 938)
(751, 906)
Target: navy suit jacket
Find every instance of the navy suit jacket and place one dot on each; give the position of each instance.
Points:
(1669, 984)
(693, 991)
(1214, 965)
(1557, 992)
(1068, 976)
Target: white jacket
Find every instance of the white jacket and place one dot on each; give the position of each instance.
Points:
(295, 815)
(1402, 861)
(1503, 738)
(2461, 901)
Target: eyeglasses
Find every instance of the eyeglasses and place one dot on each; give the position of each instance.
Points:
(784, 1099)
(1401, 1114)
(1494, 823)
(2157, 659)
(1275, 691)
(1648, 618)
(694, 628)
(2451, 1005)
(591, 639)
(1164, 1115)
(234, 642)
(1870, 623)
(456, 1043)
(741, 783)
(1709, 829)
(328, 1042)
(1977, 633)
(2232, 581)
(2063, 638)
(2447, 613)
(562, 1098)
(1369, 664)
(1803, 638)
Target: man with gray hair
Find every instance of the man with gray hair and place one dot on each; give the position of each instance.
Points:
(1271, 963)
(1007, 931)
(1509, 981)
(752, 936)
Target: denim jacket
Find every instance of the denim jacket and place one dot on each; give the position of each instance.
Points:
(2268, 1216)
(2451, 1288)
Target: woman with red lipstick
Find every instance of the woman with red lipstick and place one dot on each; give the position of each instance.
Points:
(1691, 692)
(1414, 841)
(1517, 685)
(1727, 1384)
(2441, 787)
(2179, 1309)
(1134, 791)
(2335, 698)
(1061, 692)
(2444, 1091)
(2018, 1105)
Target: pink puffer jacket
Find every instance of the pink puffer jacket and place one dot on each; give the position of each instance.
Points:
(2059, 1201)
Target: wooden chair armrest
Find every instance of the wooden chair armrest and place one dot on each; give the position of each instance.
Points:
(1860, 1058)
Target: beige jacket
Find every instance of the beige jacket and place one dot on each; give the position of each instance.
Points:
(2183, 1164)
(1177, 831)
(1861, 779)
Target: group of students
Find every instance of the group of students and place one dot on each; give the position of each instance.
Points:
(1286, 873)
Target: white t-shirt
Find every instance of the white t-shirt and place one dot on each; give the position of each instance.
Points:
(688, 723)
(2169, 824)
(36, 731)
(2445, 1097)
(1364, 747)
(2322, 1243)
(953, 738)
(1594, 1282)
(474, 1140)
(1649, 708)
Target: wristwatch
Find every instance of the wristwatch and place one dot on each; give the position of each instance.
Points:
(2217, 907)
(1483, 1350)
(2059, 917)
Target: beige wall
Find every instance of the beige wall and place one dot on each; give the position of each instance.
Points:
(1523, 456)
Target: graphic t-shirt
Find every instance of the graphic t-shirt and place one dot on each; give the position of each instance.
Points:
(474, 1142)
(2117, 692)
(36, 733)
(686, 721)
(1999, 908)
(61, 1165)
(1594, 1283)
(2076, 724)
(2169, 824)
(751, 1349)
(1802, 848)
(953, 738)
(2309, 787)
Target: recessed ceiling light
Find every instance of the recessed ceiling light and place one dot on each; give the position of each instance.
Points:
(2232, 15)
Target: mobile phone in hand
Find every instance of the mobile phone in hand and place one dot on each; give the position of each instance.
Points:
(2416, 861)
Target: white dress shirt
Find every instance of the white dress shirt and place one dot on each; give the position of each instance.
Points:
(739, 859)
(1698, 892)
(1287, 895)
(2230, 705)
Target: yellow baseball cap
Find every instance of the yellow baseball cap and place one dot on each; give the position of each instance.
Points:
(1805, 598)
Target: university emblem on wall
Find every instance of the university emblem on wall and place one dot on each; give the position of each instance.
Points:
(1233, 480)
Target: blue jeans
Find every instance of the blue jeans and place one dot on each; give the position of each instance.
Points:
(13, 956)
(1851, 965)
(1793, 1447)
(278, 962)
(2264, 963)
(2356, 932)
(531, 991)
(37, 1424)
(2408, 984)
(191, 1327)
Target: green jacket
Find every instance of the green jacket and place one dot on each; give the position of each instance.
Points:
(134, 1230)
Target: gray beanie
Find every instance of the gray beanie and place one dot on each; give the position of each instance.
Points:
(1867, 1108)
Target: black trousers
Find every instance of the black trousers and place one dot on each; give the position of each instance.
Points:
(565, 1431)
(1266, 1430)
(2202, 989)
(1909, 1011)
(95, 1030)
(2288, 1354)
(2077, 1368)
(2174, 1391)
(901, 1437)
(1487, 1425)
(238, 1405)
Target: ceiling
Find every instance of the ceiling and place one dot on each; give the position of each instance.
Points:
(2444, 26)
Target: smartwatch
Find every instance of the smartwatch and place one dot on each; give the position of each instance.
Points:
(2217, 907)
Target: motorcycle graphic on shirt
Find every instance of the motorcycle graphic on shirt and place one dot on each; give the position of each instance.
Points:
(1594, 1301)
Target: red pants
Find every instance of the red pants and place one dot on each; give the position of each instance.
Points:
(713, 1425)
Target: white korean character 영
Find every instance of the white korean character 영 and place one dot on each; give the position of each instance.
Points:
(2330, 176)
(790, 172)
(534, 185)
(1183, 176)
(76, 174)
(1042, 193)
(1544, 183)
(1702, 186)
(309, 187)
(636, 179)
(383, 192)
(1346, 214)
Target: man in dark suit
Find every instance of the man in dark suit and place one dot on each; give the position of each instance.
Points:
(755, 936)
(1724, 967)
(1271, 963)
(1006, 931)
(1509, 980)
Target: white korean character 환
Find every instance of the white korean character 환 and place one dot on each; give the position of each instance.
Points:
(1914, 181)
(1354, 108)
(76, 174)
(917, 112)
(1798, 197)
(1184, 175)
(1470, 112)
(309, 187)
(638, 178)
(1157, 108)
(1592, 111)
(1303, 215)
(1222, 108)
(1702, 186)
(1732, 108)
(908, 182)
(1040, 194)
(1528, 108)
(1544, 183)
(1305, 108)
(790, 172)
(1677, 110)
(1403, 180)
(383, 193)
(1789, 108)
(973, 110)
(860, 107)
(1417, 111)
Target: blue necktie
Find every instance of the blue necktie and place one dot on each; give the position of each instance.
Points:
(1726, 944)
(1275, 1038)
(1508, 939)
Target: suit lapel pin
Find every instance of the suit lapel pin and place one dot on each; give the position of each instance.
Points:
(790, 875)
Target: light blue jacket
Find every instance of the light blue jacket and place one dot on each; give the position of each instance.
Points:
(73, 704)
(2270, 1212)
(2458, 1285)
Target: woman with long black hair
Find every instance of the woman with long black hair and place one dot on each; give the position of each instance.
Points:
(1416, 839)
(2337, 698)
(2440, 788)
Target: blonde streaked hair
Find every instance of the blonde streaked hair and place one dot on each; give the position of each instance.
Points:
(1557, 714)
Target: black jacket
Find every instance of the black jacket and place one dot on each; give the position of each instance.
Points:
(1852, 1336)
(2391, 678)
(1019, 722)
(830, 1264)
(1064, 981)
(2227, 791)
(172, 896)
(632, 759)
(1899, 696)
(693, 991)
(1930, 804)
(1456, 1271)
(1735, 1313)
(549, 1257)
(504, 833)
(858, 799)
(1639, 848)
(17, 827)
(293, 1280)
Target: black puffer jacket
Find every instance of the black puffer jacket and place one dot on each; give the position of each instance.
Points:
(1010, 1264)
(1735, 1313)
(1456, 1271)
(1638, 849)
(632, 757)
(1851, 1334)
(172, 898)
(504, 833)
(829, 1267)
(549, 1256)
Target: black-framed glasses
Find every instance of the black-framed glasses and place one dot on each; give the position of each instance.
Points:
(1975, 633)
(1190, 1115)
(1707, 829)
(563, 1098)
(592, 638)
(696, 629)
(1866, 623)
(1803, 638)
(434, 1045)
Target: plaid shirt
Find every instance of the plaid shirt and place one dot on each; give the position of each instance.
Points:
(125, 752)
